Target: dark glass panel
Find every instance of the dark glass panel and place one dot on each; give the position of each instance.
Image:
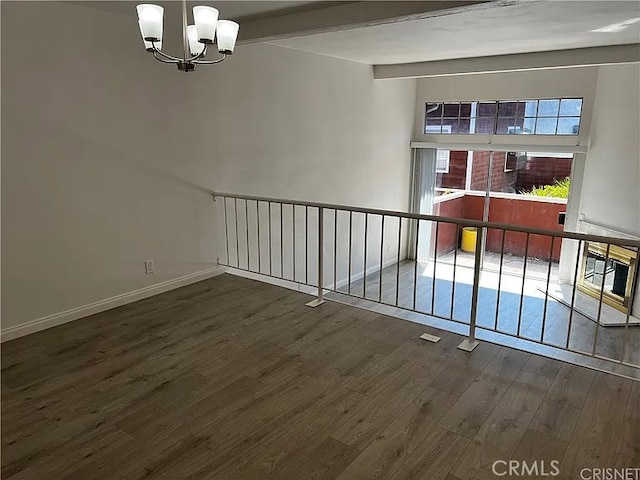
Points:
(452, 109)
(435, 113)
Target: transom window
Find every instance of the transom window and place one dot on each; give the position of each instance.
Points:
(554, 116)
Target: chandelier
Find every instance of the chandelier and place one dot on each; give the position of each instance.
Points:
(195, 38)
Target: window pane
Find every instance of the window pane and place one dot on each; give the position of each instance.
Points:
(465, 109)
(487, 109)
(433, 125)
(464, 124)
(529, 125)
(507, 109)
(449, 125)
(437, 112)
(504, 124)
(548, 108)
(569, 126)
(570, 107)
(531, 108)
(485, 125)
(546, 126)
(452, 109)
(520, 109)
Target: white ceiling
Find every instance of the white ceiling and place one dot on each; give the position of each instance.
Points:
(531, 26)
(228, 9)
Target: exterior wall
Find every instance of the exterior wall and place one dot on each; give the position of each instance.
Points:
(499, 178)
(542, 171)
(457, 171)
(448, 234)
(537, 171)
(529, 212)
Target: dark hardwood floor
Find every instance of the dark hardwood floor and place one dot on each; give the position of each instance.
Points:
(234, 379)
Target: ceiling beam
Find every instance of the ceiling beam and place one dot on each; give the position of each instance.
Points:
(578, 57)
(354, 15)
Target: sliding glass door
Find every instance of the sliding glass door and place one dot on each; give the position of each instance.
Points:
(529, 189)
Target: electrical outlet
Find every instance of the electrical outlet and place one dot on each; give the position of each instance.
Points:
(148, 266)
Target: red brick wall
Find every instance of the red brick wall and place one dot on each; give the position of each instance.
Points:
(529, 213)
(542, 171)
(538, 171)
(448, 232)
(479, 170)
(501, 181)
(457, 171)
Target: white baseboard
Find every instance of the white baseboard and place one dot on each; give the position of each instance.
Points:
(360, 275)
(292, 285)
(289, 284)
(49, 321)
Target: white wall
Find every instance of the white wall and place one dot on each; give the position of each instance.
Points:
(92, 182)
(108, 156)
(611, 185)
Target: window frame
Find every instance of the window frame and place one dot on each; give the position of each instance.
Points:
(515, 114)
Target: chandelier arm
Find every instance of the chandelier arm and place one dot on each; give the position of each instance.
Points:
(161, 59)
(195, 57)
(165, 55)
(211, 62)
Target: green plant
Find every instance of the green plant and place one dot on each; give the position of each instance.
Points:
(559, 189)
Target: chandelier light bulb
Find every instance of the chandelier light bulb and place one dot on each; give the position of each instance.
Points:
(227, 32)
(150, 18)
(148, 45)
(195, 47)
(206, 19)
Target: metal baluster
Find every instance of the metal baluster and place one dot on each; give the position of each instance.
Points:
(246, 221)
(270, 253)
(632, 295)
(281, 243)
(470, 343)
(381, 260)
(455, 266)
(524, 274)
(435, 262)
(335, 249)
(226, 229)
(320, 300)
(604, 277)
(364, 274)
(415, 265)
(546, 292)
(398, 260)
(293, 232)
(258, 235)
(306, 245)
(573, 293)
(235, 209)
(350, 234)
(495, 323)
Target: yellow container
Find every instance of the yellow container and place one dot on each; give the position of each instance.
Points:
(469, 238)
